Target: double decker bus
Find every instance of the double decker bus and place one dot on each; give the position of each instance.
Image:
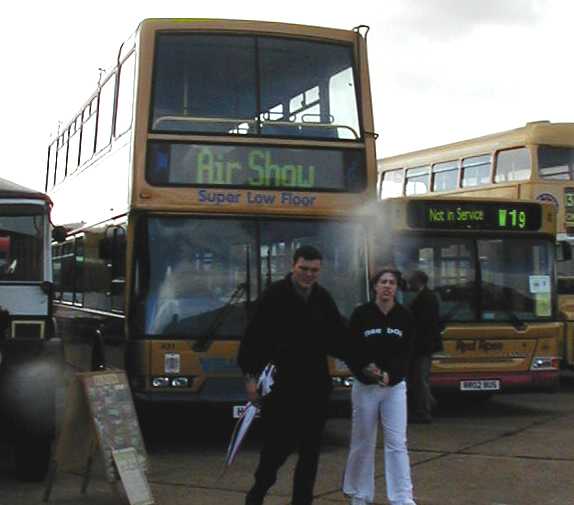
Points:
(535, 162)
(490, 264)
(30, 358)
(208, 153)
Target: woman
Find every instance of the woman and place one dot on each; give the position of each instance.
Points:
(383, 332)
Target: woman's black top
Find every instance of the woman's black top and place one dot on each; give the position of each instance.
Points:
(386, 340)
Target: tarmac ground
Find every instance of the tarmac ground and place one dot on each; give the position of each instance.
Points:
(510, 450)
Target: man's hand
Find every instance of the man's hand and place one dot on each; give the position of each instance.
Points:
(251, 389)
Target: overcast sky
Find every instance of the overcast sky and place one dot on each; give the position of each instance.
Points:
(441, 70)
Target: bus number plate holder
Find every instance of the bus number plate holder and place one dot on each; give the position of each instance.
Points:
(480, 385)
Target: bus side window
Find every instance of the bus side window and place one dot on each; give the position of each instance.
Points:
(392, 183)
(88, 132)
(51, 173)
(556, 163)
(445, 176)
(61, 158)
(105, 113)
(79, 272)
(476, 171)
(112, 249)
(57, 271)
(118, 268)
(417, 181)
(97, 275)
(74, 146)
(125, 95)
(67, 272)
(512, 165)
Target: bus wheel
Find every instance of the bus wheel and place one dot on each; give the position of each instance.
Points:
(32, 457)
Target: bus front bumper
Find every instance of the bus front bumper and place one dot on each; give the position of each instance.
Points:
(507, 382)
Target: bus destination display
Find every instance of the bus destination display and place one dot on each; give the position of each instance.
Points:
(171, 164)
(474, 215)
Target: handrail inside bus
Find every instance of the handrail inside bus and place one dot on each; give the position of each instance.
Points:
(199, 119)
(328, 126)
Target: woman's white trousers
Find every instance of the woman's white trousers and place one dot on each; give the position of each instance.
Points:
(388, 405)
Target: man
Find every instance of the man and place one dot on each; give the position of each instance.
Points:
(296, 326)
(428, 340)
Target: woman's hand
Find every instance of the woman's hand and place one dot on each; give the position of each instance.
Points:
(373, 372)
(384, 380)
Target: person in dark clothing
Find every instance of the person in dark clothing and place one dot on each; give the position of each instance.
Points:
(296, 325)
(428, 340)
(383, 330)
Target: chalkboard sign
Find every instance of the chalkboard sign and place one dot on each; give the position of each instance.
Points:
(100, 413)
(114, 416)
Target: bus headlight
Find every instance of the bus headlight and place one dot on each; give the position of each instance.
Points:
(160, 382)
(180, 382)
(544, 363)
(342, 381)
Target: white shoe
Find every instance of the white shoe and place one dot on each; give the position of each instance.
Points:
(358, 501)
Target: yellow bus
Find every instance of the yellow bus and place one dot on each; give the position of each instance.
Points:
(535, 162)
(206, 155)
(491, 265)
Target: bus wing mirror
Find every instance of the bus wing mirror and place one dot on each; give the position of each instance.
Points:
(564, 251)
(59, 234)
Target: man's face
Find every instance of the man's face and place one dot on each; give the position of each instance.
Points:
(306, 272)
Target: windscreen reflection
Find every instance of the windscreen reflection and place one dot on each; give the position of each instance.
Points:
(511, 284)
(21, 243)
(205, 275)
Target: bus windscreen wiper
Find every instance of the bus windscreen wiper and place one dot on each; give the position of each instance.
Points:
(202, 343)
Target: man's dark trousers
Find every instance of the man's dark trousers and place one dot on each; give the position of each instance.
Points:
(291, 423)
(419, 389)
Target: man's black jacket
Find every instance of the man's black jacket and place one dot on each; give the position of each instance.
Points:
(425, 309)
(296, 335)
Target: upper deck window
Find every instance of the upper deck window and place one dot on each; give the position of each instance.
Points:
(392, 183)
(445, 176)
(245, 85)
(476, 171)
(556, 163)
(417, 181)
(512, 165)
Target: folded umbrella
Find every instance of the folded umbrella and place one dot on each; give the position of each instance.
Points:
(241, 427)
(249, 413)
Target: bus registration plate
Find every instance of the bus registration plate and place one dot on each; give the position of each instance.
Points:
(480, 385)
(237, 411)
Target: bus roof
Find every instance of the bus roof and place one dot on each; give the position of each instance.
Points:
(9, 189)
(240, 24)
(537, 132)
